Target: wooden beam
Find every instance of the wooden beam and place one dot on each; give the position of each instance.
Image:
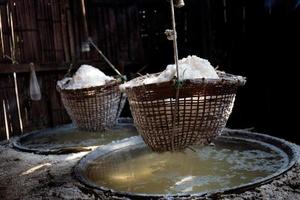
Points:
(6, 68)
(19, 68)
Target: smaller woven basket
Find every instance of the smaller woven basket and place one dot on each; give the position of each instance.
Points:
(203, 108)
(95, 108)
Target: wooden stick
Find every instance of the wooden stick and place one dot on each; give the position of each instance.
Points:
(13, 48)
(1, 34)
(9, 26)
(85, 26)
(5, 120)
(177, 71)
(175, 38)
(18, 102)
(106, 59)
(7, 13)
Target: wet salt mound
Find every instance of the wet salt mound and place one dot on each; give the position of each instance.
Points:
(85, 77)
(191, 67)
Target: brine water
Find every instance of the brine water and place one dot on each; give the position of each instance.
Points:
(199, 169)
(72, 137)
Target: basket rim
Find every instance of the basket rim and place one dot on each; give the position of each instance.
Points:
(227, 78)
(110, 83)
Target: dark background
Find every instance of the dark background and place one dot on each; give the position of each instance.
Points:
(259, 39)
(255, 38)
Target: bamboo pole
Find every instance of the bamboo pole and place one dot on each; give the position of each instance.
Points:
(8, 24)
(18, 102)
(85, 46)
(1, 35)
(13, 41)
(5, 120)
(85, 26)
(106, 59)
(174, 38)
(175, 48)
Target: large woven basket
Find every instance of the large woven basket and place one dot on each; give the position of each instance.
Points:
(204, 106)
(95, 108)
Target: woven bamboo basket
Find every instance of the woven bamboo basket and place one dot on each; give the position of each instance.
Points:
(95, 108)
(203, 108)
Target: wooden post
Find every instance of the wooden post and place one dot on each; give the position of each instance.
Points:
(13, 41)
(18, 102)
(1, 35)
(85, 26)
(5, 120)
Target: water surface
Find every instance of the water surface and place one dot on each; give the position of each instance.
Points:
(225, 165)
(72, 137)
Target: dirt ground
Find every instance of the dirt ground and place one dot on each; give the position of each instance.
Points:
(30, 176)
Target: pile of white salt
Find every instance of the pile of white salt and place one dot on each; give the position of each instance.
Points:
(191, 67)
(85, 77)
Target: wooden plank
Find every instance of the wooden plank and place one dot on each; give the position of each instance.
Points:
(10, 68)
(19, 68)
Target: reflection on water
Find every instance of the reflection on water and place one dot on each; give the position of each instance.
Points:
(206, 168)
(70, 137)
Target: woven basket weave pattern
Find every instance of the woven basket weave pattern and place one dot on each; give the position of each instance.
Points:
(202, 112)
(96, 108)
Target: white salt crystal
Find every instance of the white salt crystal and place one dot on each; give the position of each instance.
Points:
(86, 76)
(191, 67)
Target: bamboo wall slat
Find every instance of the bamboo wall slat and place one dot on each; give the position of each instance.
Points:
(48, 112)
(50, 31)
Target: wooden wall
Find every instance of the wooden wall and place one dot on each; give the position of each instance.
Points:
(50, 34)
(48, 112)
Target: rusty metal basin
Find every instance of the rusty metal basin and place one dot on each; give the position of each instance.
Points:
(68, 139)
(239, 160)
